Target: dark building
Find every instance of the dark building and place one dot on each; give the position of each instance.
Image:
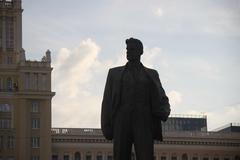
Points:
(185, 123)
(229, 128)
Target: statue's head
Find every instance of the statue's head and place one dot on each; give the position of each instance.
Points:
(134, 49)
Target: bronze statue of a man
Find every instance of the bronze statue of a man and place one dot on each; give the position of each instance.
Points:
(133, 106)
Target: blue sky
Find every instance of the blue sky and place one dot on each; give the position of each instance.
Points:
(194, 45)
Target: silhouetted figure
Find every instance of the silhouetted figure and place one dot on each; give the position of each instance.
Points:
(134, 104)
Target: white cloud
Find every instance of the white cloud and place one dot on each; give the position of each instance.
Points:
(224, 115)
(74, 76)
(75, 65)
(154, 57)
(175, 97)
(121, 58)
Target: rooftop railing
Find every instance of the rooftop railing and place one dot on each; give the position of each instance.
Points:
(188, 116)
(36, 64)
(172, 134)
(226, 126)
(76, 131)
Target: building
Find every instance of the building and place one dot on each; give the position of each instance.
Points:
(179, 122)
(25, 114)
(25, 93)
(178, 144)
(229, 128)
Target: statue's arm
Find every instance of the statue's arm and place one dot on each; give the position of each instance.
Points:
(106, 113)
(160, 101)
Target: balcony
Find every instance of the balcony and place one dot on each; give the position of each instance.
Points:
(9, 90)
(6, 4)
(36, 64)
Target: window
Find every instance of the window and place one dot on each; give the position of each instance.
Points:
(194, 158)
(66, 157)
(35, 123)
(9, 84)
(35, 158)
(35, 142)
(163, 157)
(35, 81)
(237, 157)
(27, 80)
(9, 33)
(77, 156)
(109, 157)
(9, 60)
(5, 108)
(54, 157)
(5, 123)
(11, 142)
(99, 157)
(205, 158)
(184, 156)
(88, 157)
(15, 86)
(174, 158)
(44, 81)
(35, 107)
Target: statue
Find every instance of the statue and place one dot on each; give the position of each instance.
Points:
(134, 104)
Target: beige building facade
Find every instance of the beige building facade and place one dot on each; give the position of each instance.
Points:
(25, 113)
(25, 93)
(89, 144)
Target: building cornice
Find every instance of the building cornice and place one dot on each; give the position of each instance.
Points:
(88, 135)
(27, 94)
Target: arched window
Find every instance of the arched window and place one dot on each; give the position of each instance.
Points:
(88, 156)
(9, 84)
(54, 157)
(109, 157)
(174, 156)
(99, 156)
(77, 156)
(184, 156)
(163, 157)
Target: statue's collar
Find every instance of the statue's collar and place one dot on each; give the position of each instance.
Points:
(136, 65)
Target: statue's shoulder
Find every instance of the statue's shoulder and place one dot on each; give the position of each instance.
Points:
(150, 70)
(117, 69)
